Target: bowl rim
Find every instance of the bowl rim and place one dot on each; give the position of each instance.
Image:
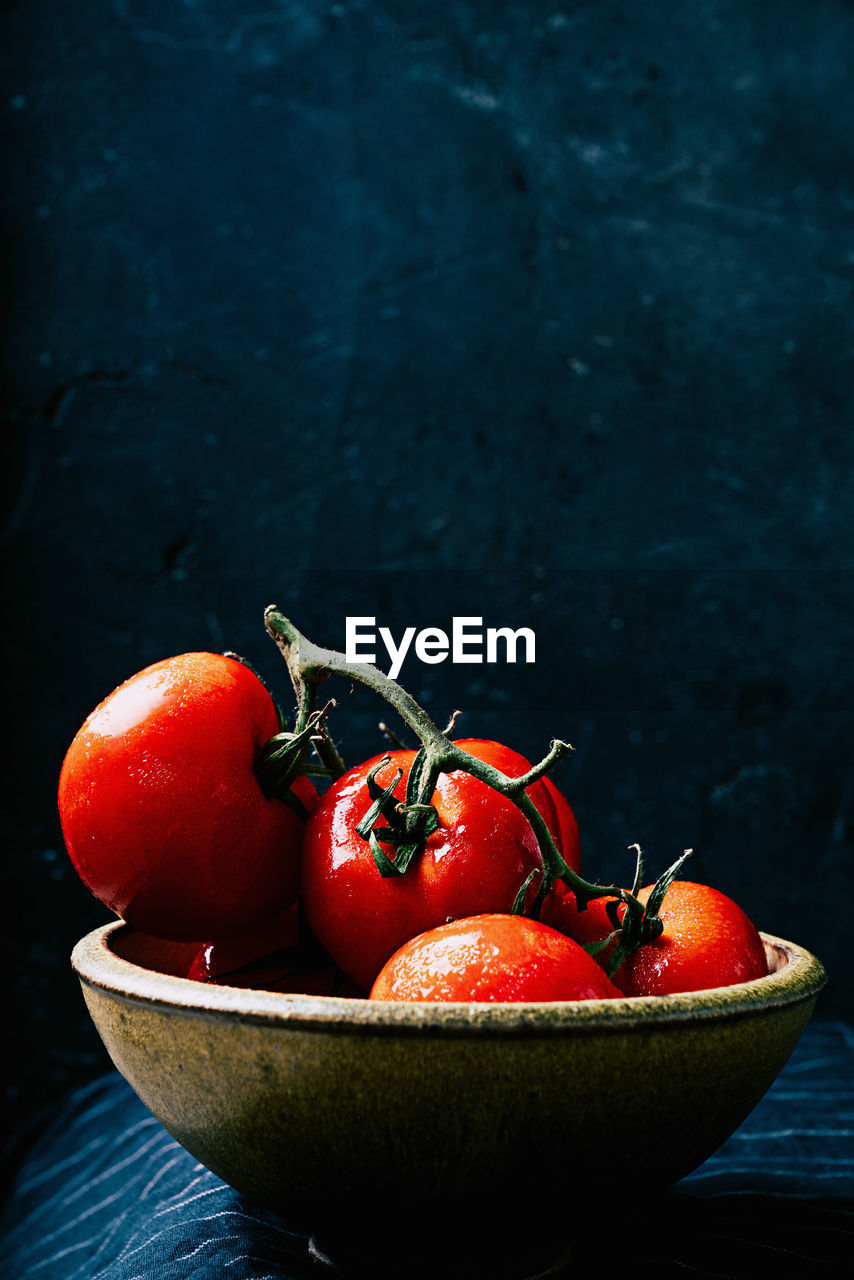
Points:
(96, 963)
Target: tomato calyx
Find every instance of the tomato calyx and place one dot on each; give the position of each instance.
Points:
(409, 823)
(282, 758)
(635, 923)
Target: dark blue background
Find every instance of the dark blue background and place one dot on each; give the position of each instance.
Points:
(540, 312)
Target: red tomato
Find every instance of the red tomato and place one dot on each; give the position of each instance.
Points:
(278, 955)
(708, 941)
(591, 925)
(277, 971)
(162, 813)
(570, 842)
(492, 958)
(476, 862)
(218, 958)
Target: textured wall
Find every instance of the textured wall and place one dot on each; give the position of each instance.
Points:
(540, 312)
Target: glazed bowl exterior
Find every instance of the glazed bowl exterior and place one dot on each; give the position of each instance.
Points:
(417, 1123)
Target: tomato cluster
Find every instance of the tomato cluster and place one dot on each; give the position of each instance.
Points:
(167, 820)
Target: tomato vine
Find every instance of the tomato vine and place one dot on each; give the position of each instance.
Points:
(410, 822)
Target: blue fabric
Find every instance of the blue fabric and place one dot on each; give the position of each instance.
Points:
(107, 1194)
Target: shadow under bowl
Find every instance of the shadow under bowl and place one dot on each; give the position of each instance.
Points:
(465, 1133)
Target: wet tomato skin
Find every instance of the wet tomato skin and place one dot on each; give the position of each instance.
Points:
(476, 862)
(708, 941)
(492, 958)
(162, 814)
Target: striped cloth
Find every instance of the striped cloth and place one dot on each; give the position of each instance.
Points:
(107, 1194)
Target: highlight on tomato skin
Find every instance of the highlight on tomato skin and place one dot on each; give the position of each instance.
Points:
(278, 955)
(219, 957)
(492, 958)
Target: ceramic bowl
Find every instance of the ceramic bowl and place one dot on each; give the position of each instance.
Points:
(457, 1132)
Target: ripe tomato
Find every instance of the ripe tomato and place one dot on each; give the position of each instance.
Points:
(569, 841)
(162, 814)
(492, 958)
(217, 959)
(591, 925)
(476, 862)
(280, 954)
(708, 941)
